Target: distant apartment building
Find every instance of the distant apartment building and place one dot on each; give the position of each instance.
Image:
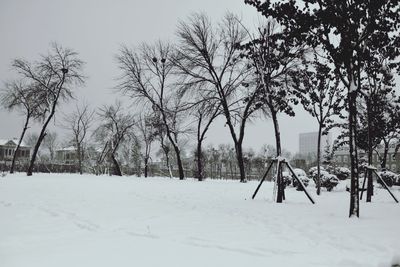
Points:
(308, 143)
(342, 158)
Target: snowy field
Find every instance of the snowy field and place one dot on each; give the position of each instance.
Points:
(71, 220)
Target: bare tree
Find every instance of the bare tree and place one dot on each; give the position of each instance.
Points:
(79, 123)
(205, 113)
(19, 95)
(147, 76)
(53, 76)
(114, 129)
(209, 58)
(321, 96)
(148, 135)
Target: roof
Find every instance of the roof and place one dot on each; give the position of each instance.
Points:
(4, 142)
(70, 148)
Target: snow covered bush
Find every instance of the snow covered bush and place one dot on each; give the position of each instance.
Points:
(314, 169)
(389, 177)
(328, 180)
(289, 179)
(301, 174)
(342, 173)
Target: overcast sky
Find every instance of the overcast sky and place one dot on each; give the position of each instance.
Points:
(96, 29)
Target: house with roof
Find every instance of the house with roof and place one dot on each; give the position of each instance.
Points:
(7, 149)
(66, 155)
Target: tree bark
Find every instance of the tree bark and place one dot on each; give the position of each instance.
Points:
(28, 116)
(239, 156)
(354, 199)
(35, 151)
(370, 186)
(117, 169)
(146, 167)
(319, 160)
(199, 161)
(179, 162)
(279, 179)
(79, 153)
(385, 153)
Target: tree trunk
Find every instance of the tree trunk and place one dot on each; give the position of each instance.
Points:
(354, 199)
(319, 160)
(146, 167)
(370, 186)
(28, 116)
(199, 161)
(385, 153)
(35, 151)
(79, 153)
(279, 178)
(179, 162)
(117, 169)
(239, 156)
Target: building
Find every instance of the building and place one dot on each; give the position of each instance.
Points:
(66, 155)
(308, 143)
(342, 157)
(7, 149)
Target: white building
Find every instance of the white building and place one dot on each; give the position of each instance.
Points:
(308, 143)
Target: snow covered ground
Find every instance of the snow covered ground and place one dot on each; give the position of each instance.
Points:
(71, 220)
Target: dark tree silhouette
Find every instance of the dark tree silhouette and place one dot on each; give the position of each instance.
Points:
(320, 94)
(53, 76)
(78, 123)
(208, 57)
(22, 97)
(148, 135)
(205, 113)
(147, 75)
(345, 31)
(275, 60)
(114, 129)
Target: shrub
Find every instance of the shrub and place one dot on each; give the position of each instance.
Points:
(389, 177)
(328, 180)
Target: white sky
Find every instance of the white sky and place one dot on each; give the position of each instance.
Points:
(96, 29)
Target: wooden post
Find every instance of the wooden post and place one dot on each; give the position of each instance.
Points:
(300, 182)
(385, 185)
(262, 180)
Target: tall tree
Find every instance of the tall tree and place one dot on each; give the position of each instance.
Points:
(205, 113)
(342, 29)
(321, 95)
(209, 58)
(54, 75)
(22, 97)
(114, 129)
(275, 59)
(78, 123)
(148, 135)
(147, 75)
